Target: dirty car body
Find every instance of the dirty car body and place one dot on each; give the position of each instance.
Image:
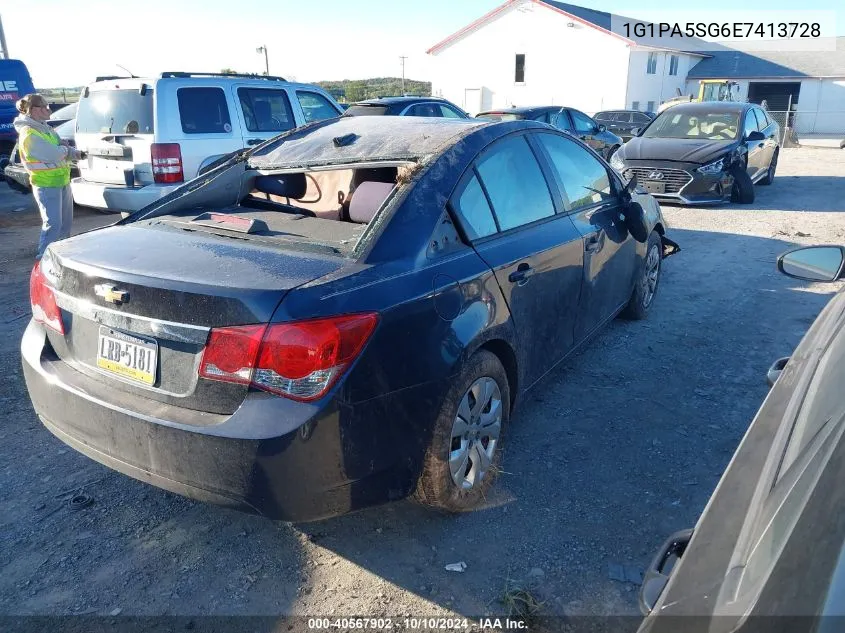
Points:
(143, 354)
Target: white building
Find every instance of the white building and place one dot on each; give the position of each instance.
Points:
(811, 84)
(543, 52)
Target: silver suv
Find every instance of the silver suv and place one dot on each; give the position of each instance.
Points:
(145, 137)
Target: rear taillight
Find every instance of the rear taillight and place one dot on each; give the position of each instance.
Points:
(43, 301)
(299, 360)
(231, 352)
(167, 163)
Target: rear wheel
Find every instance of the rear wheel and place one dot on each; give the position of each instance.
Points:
(770, 175)
(646, 289)
(465, 451)
(743, 189)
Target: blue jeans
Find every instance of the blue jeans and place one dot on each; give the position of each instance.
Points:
(56, 207)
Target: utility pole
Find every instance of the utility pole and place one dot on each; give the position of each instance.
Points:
(263, 49)
(3, 49)
(403, 58)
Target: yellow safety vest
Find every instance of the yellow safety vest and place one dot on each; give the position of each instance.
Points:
(43, 174)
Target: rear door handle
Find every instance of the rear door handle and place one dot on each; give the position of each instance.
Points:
(254, 141)
(592, 243)
(521, 275)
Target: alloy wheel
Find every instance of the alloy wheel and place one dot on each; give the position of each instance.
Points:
(475, 433)
(651, 275)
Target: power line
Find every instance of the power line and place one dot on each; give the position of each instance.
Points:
(403, 58)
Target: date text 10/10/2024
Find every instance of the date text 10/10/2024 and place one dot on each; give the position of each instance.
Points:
(417, 624)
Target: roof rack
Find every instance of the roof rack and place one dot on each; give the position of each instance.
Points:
(239, 75)
(110, 77)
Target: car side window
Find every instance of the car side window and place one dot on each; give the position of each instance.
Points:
(449, 113)
(750, 123)
(266, 110)
(473, 211)
(641, 119)
(203, 111)
(315, 107)
(622, 117)
(425, 110)
(561, 120)
(584, 178)
(762, 119)
(583, 123)
(542, 118)
(515, 183)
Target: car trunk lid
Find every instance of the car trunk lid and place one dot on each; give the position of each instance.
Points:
(146, 296)
(115, 126)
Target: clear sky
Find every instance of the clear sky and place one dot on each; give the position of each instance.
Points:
(69, 42)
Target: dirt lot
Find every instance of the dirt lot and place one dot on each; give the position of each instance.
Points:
(615, 450)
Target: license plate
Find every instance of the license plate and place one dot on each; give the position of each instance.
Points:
(109, 171)
(654, 186)
(127, 356)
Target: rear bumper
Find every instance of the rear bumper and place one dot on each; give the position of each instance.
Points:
(117, 198)
(274, 457)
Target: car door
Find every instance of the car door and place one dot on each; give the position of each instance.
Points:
(263, 112)
(505, 205)
(586, 129)
(590, 195)
(756, 149)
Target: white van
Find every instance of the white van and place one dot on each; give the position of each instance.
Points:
(145, 137)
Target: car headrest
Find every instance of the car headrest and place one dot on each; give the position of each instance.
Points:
(366, 200)
(282, 185)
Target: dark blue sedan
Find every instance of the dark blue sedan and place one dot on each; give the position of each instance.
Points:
(342, 317)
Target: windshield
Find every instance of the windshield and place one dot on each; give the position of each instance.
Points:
(501, 116)
(116, 112)
(711, 126)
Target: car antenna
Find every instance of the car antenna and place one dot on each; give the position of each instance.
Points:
(131, 74)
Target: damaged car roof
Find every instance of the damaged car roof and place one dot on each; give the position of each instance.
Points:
(362, 139)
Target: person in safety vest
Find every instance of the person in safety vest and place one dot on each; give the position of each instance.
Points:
(46, 158)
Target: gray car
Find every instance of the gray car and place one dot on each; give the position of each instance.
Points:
(771, 540)
(594, 134)
(624, 122)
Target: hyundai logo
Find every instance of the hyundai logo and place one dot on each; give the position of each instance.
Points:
(656, 175)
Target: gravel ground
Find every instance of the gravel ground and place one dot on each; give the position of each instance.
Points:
(619, 447)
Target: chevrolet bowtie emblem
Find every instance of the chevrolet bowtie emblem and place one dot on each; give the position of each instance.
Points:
(110, 294)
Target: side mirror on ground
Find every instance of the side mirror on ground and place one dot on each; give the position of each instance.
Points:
(756, 135)
(813, 263)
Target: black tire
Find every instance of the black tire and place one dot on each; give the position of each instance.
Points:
(641, 299)
(436, 487)
(770, 174)
(743, 189)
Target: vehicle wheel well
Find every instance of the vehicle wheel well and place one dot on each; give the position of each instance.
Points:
(660, 230)
(507, 357)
